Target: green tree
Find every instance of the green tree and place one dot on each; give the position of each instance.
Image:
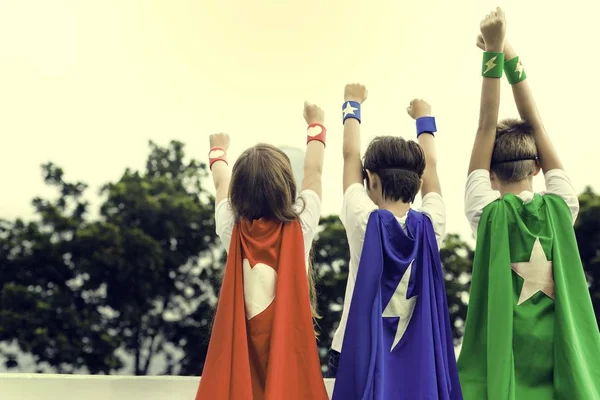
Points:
(331, 256)
(82, 293)
(457, 262)
(587, 231)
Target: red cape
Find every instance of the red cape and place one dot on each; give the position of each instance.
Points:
(262, 344)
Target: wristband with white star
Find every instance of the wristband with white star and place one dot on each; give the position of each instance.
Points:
(426, 125)
(351, 109)
(316, 132)
(216, 154)
(514, 71)
(493, 64)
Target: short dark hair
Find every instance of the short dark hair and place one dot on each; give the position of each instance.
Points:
(513, 158)
(399, 163)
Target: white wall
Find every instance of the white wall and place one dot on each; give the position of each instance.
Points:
(90, 387)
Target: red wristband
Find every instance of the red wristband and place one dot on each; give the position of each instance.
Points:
(216, 154)
(316, 132)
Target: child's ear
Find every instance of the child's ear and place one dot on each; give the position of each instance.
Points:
(538, 167)
(371, 182)
(493, 176)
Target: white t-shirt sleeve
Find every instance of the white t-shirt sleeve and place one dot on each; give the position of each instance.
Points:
(309, 217)
(558, 183)
(356, 208)
(478, 194)
(224, 221)
(433, 206)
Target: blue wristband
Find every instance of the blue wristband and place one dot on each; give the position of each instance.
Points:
(351, 109)
(426, 125)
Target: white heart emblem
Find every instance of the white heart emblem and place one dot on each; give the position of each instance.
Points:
(259, 288)
(216, 153)
(314, 131)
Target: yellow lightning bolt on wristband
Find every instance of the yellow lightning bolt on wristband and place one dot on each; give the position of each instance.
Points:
(493, 64)
(514, 71)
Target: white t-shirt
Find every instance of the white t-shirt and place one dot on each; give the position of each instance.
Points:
(356, 209)
(479, 193)
(309, 219)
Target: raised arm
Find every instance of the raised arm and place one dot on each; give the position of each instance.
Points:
(315, 148)
(528, 111)
(493, 29)
(431, 182)
(354, 95)
(526, 106)
(221, 173)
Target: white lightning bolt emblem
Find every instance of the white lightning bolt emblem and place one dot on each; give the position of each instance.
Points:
(519, 69)
(490, 64)
(401, 306)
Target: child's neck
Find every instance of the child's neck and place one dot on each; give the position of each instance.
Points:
(398, 208)
(516, 188)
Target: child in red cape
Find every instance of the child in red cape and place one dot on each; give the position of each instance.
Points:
(262, 344)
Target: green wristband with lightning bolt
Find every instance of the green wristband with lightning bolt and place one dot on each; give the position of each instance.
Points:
(493, 64)
(514, 71)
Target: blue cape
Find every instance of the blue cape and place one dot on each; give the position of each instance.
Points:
(398, 342)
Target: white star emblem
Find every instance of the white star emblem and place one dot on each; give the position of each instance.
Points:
(348, 109)
(536, 274)
(400, 306)
(259, 288)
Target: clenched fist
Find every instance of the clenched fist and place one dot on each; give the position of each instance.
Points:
(509, 51)
(419, 108)
(219, 140)
(480, 42)
(493, 30)
(355, 92)
(313, 114)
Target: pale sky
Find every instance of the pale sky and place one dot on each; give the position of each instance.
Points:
(86, 84)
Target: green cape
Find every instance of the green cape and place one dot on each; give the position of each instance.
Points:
(543, 348)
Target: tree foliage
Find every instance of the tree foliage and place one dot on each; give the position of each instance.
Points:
(587, 231)
(98, 294)
(331, 257)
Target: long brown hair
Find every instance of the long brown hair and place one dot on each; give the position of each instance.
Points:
(263, 186)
